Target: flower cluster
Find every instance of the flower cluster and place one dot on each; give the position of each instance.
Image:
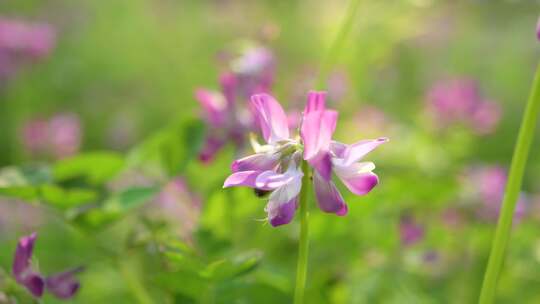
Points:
(228, 119)
(59, 136)
(21, 41)
(460, 101)
(62, 285)
(276, 166)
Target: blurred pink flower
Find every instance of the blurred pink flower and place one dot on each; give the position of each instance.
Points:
(410, 231)
(489, 184)
(59, 136)
(459, 101)
(538, 29)
(178, 206)
(21, 41)
(64, 134)
(226, 112)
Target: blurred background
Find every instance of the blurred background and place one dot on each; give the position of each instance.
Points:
(107, 154)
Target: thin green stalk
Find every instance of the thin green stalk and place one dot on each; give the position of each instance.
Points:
(337, 44)
(301, 270)
(131, 279)
(326, 65)
(519, 160)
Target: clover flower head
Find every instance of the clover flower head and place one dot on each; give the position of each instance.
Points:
(276, 165)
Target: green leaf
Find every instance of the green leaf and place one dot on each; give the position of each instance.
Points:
(170, 150)
(66, 198)
(23, 182)
(26, 193)
(94, 168)
(115, 207)
(231, 268)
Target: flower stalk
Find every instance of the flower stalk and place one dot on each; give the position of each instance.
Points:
(519, 160)
(301, 268)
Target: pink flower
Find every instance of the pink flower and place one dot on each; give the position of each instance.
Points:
(459, 101)
(489, 186)
(22, 41)
(275, 166)
(410, 231)
(60, 136)
(64, 134)
(178, 206)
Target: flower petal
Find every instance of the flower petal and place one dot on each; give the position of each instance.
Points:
(281, 214)
(270, 180)
(317, 130)
(23, 255)
(316, 101)
(243, 178)
(63, 285)
(355, 152)
(258, 161)
(214, 106)
(283, 201)
(358, 177)
(34, 283)
(271, 117)
(328, 196)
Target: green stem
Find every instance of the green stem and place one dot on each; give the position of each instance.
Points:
(337, 44)
(131, 279)
(326, 65)
(519, 160)
(301, 270)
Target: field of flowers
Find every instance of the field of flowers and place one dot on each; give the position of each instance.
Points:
(229, 151)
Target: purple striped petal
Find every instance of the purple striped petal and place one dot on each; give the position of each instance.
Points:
(283, 213)
(271, 117)
(358, 177)
(355, 152)
(270, 180)
(328, 196)
(258, 162)
(214, 107)
(316, 101)
(316, 131)
(63, 285)
(243, 178)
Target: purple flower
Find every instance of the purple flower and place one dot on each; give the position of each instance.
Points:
(62, 285)
(275, 166)
(22, 270)
(459, 101)
(410, 231)
(228, 120)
